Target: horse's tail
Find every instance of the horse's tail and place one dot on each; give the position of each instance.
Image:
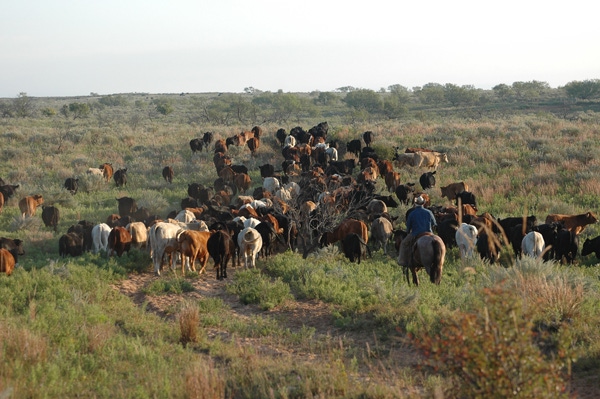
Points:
(437, 262)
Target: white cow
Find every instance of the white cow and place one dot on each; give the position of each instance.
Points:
(139, 234)
(332, 154)
(250, 243)
(381, 232)
(289, 141)
(185, 216)
(251, 222)
(466, 239)
(533, 244)
(429, 159)
(271, 184)
(163, 240)
(100, 234)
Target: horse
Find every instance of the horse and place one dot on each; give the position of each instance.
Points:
(428, 252)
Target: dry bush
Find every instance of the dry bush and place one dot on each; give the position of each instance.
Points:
(99, 335)
(189, 320)
(205, 381)
(22, 345)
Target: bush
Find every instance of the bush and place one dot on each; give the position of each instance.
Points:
(493, 352)
(254, 288)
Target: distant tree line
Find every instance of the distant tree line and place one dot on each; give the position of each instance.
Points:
(355, 104)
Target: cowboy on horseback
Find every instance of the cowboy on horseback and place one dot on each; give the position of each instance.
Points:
(420, 220)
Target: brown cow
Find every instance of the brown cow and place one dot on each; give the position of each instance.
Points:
(385, 167)
(451, 190)
(253, 144)
(50, 216)
(573, 223)
(392, 180)
(193, 245)
(7, 262)
(168, 174)
(243, 182)
(28, 205)
(345, 228)
(107, 171)
(119, 241)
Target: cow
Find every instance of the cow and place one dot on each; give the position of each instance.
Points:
(29, 205)
(403, 192)
(401, 160)
(271, 184)
(574, 223)
(281, 135)
(289, 141)
(388, 200)
(139, 234)
(107, 171)
(242, 182)
(14, 246)
(193, 245)
(253, 143)
(427, 180)
(346, 227)
(368, 137)
(196, 145)
(376, 207)
(7, 262)
(381, 232)
(96, 173)
(566, 245)
(127, 206)
(341, 167)
(84, 229)
(331, 154)
(163, 240)
(120, 177)
(429, 159)
(355, 248)
(72, 184)
(207, 138)
(50, 216)
(167, 174)
(221, 146)
(354, 147)
(221, 248)
(533, 244)
(591, 246)
(516, 235)
(385, 167)
(250, 244)
(8, 190)
(549, 232)
(269, 238)
(466, 239)
(100, 233)
(392, 181)
(453, 189)
(267, 170)
(506, 225)
(70, 244)
(119, 241)
(447, 229)
(488, 246)
(466, 197)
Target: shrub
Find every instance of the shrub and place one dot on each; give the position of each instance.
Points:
(492, 352)
(254, 288)
(189, 319)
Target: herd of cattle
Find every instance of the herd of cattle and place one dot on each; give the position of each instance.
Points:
(313, 199)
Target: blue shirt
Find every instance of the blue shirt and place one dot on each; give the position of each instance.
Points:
(420, 220)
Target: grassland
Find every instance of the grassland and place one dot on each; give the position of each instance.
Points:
(321, 327)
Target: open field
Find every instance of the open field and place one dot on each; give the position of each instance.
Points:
(317, 327)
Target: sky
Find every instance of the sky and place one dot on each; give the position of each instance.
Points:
(51, 48)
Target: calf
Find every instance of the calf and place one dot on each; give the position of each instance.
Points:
(196, 145)
(29, 205)
(107, 171)
(466, 198)
(72, 184)
(466, 239)
(354, 147)
(193, 245)
(346, 227)
(50, 216)
(70, 244)
(127, 206)
(7, 262)
(14, 246)
(139, 234)
(163, 240)
(119, 241)
(381, 232)
(220, 248)
(566, 246)
(167, 174)
(100, 233)
(120, 177)
(574, 223)
(403, 192)
(8, 190)
(591, 246)
(453, 189)
(355, 248)
(533, 244)
(427, 180)
(368, 137)
(250, 244)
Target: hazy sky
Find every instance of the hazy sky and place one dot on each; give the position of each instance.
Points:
(75, 47)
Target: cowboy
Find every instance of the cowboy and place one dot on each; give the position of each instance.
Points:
(420, 220)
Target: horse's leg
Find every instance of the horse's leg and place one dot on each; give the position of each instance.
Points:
(415, 277)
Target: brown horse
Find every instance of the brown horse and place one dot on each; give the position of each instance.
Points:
(428, 252)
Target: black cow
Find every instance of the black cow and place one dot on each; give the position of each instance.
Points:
(83, 228)
(189, 202)
(488, 246)
(120, 177)
(355, 248)
(281, 134)
(567, 243)
(466, 197)
(508, 223)
(427, 180)
(344, 167)
(196, 145)
(127, 206)
(72, 184)
(220, 248)
(591, 245)
(50, 216)
(354, 147)
(194, 190)
(403, 192)
(269, 238)
(549, 232)
(167, 174)
(267, 170)
(70, 244)
(516, 235)
(368, 152)
(14, 246)
(8, 190)
(388, 200)
(368, 137)
(207, 138)
(239, 168)
(446, 229)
